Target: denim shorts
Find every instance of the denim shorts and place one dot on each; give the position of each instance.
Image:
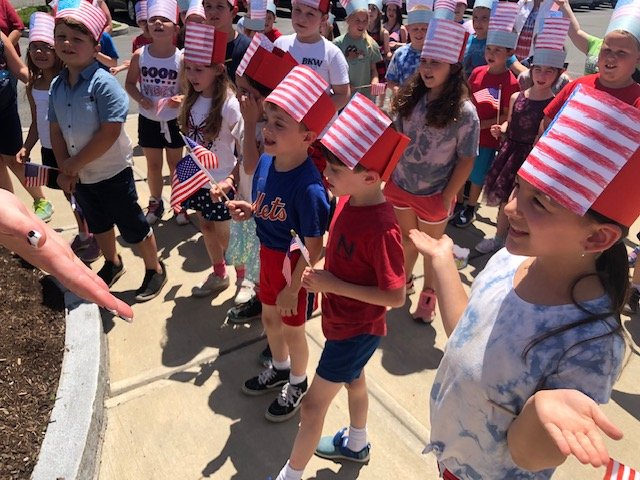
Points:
(342, 361)
(114, 201)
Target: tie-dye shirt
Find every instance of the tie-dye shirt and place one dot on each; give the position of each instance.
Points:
(427, 163)
(483, 364)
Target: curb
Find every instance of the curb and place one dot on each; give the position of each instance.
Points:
(74, 434)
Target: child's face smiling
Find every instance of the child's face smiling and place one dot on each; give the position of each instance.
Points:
(282, 134)
(357, 24)
(42, 55)
(618, 58)
(74, 48)
(417, 32)
(544, 77)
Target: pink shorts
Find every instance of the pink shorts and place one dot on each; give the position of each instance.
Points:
(272, 282)
(428, 208)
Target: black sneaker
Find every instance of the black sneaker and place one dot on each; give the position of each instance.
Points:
(265, 357)
(465, 217)
(288, 402)
(110, 272)
(246, 312)
(268, 380)
(632, 306)
(458, 207)
(152, 284)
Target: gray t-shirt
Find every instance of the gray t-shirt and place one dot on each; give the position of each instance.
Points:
(432, 154)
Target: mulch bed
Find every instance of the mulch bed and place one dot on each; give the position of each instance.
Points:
(31, 349)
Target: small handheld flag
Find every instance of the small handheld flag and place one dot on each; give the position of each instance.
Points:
(378, 89)
(303, 249)
(488, 95)
(296, 244)
(618, 471)
(192, 172)
(36, 175)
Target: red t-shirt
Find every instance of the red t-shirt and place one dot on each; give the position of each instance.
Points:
(10, 20)
(273, 34)
(140, 41)
(630, 94)
(364, 248)
(480, 79)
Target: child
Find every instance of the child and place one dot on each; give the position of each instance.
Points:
(271, 32)
(544, 314)
(461, 7)
(404, 63)
(255, 19)
(376, 30)
(288, 194)
(87, 110)
(522, 129)
(360, 50)
(11, 67)
(434, 110)
(108, 55)
(474, 53)
(220, 14)
(141, 40)
(357, 289)
(260, 71)
(155, 67)
(211, 117)
(44, 65)
(393, 24)
(492, 86)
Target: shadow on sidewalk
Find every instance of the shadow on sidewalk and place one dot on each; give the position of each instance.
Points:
(628, 401)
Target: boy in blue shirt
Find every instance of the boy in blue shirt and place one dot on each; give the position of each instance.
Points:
(474, 53)
(87, 110)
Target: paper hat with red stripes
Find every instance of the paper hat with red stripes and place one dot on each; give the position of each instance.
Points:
(322, 5)
(501, 23)
(163, 8)
(588, 158)
(419, 11)
(204, 45)
(141, 11)
(626, 17)
(444, 9)
(363, 135)
(549, 48)
(303, 95)
(41, 27)
(445, 41)
(196, 9)
(265, 63)
(397, 3)
(255, 19)
(84, 12)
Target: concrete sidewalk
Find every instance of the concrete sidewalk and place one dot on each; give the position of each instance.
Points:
(175, 409)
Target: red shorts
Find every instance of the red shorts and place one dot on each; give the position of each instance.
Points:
(428, 208)
(272, 282)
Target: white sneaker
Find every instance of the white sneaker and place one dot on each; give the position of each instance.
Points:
(490, 245)
(213, 284)
(245, 292)
(182, 218)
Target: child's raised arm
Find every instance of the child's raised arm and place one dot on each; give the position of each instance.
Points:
(250, 153)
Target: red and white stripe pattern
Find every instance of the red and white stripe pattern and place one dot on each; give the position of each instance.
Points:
(91, 17)
(629, 11)
(195, 8)
(163, 8)
(585, 147)
(378, 89)
(41, 27)
(298, 92)
(36, 175)
(141, 10)
(398, 3)
(445, 41)
(449, 5)
(258, 9)
(503, 16)
(424, 4)
(258, 40)
(618, 471)
(199, 43)
(356, 130)
(554, 33)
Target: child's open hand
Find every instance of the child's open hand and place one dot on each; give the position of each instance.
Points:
(317, 280)
(429, 246)
(239, 210)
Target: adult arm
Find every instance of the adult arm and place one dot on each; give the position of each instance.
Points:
(14, 23)
(15, 64)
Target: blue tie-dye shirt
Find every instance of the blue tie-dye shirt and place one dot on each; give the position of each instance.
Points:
(404, 63)
(483, 363)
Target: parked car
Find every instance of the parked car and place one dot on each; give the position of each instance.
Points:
(126, 5)
(592, 4)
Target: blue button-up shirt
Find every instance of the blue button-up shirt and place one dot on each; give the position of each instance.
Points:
(79, 110)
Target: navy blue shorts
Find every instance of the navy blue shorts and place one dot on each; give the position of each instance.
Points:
(11, 138)
(114, 201)
(342, 361)
(212, 211)
(151, 136)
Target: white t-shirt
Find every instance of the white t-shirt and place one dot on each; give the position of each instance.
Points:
(231, 132)
(41, 100)
(159, 79)
(323, 57)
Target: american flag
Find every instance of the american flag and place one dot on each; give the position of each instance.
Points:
(553, 34)
(488, 95)
(503, 16)
(445, 41)
(199, 37)
(296, 244)
(162, 104)
(618, 471)
(258, 9)
(445, 5)
(378, 88)
(36, 175)
(344, 3)
(258, 40)
(189, 176)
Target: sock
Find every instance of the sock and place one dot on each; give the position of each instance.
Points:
(220, 269)
(288, 473)
(297, 379)
(357, 438)
(240, 272)
(286, 365)
(83, 236)
(636, 286)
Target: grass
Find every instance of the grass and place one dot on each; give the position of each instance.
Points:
(25, 13)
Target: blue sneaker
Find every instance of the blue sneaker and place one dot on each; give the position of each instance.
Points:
(335, 448)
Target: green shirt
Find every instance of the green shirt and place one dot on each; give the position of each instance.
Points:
(594, 44)
(361, 55)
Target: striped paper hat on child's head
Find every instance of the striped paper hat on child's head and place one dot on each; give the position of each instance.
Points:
(204, 45)
(84, 12)
(41, 27)
(265, 63)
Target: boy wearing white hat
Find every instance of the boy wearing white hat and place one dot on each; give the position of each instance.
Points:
(474, 53)
(271, 32)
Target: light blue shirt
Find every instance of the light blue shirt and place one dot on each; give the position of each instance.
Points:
(484, 363)
(404, 63)
(473, 55)
(96, 98)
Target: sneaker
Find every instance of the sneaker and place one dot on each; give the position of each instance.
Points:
(245, 313)
(288, 402)
(465, 218)
(633, 256)
(110, 272)
(409, 287)
(426, 309)
(182, 218)
(265, 358)
(335, 448)
(43, 209)
(632, 306)
(490, 245)
(154, 210)
(213, 284)
(458, 207)
(151, 284)
(268, 380)
(245, 292)
(91, 253)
